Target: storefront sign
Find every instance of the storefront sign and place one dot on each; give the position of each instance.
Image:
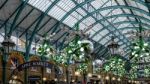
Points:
(33, 64)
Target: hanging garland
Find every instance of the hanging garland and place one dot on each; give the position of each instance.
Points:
(147, 72)
(133, 72)
(46, 49)
(115, 65)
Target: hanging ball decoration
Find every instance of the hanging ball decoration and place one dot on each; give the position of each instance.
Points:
(90, 44)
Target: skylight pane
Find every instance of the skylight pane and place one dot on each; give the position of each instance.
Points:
(97, 3)
(40, 4)
(57, 13)
(103, 41)
(82, 12)
(70, 21)
(65, 5)
(104, 32)
(88, 21)
(97, 27)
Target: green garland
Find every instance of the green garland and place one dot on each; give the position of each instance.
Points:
(115, 65)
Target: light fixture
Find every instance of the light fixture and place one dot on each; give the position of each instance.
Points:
(129, 81)
(113, 78)
(14, 77)
(8, 45)
(77, 73)
(55, 79)
(89, 75)
(145, 44)
(113, 46)
(81, 49)
(119, 79)
(65, 80)
(107, 77)
(44, 78)
(99, 76)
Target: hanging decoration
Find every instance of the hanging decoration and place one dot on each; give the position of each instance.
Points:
(79, 51)
(115, 65)
(46, 50)
(133, 72)
(139, 56)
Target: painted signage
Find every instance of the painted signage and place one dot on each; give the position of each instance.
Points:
(33, 64)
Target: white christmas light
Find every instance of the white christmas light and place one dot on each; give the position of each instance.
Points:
(82, 49)
(69, 51)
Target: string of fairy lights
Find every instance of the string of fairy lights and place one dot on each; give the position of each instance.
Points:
(76, 53)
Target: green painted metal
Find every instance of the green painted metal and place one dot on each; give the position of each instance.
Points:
(26, 59)
(4, 60)
(24, 17)
(96, 18)
(12, 28)
(30, 26)
(110, 25)
(102, 51)
(133, 22)
(42, 16)
(114, 7)
(4, 64)
(62, 44)
(123, 15)
(124, 28)
(10, 16)
(44, 24)
(56, 29)
(64, 39)
(124, 10)
(98, 8)
(64, 34)
(98, 47)
(53, 28)
(103, 54)
(122, 22)
(3, 4)
(74, 9)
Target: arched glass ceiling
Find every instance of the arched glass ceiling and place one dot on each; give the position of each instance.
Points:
(100, 18)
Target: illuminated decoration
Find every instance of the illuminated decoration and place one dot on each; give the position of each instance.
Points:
(113, 78)
(77, 73)
(133, 72)
(89, 75)
(107, 77)
(99, 76)
(44, 78)
(97, 65)
(140, 57)
(46, 49)
(76, 52)
(115, 65)
(119, 79)
(147, 72)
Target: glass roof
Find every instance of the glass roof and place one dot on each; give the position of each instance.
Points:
(100, 18)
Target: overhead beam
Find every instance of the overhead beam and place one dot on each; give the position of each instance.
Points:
(19, 12)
